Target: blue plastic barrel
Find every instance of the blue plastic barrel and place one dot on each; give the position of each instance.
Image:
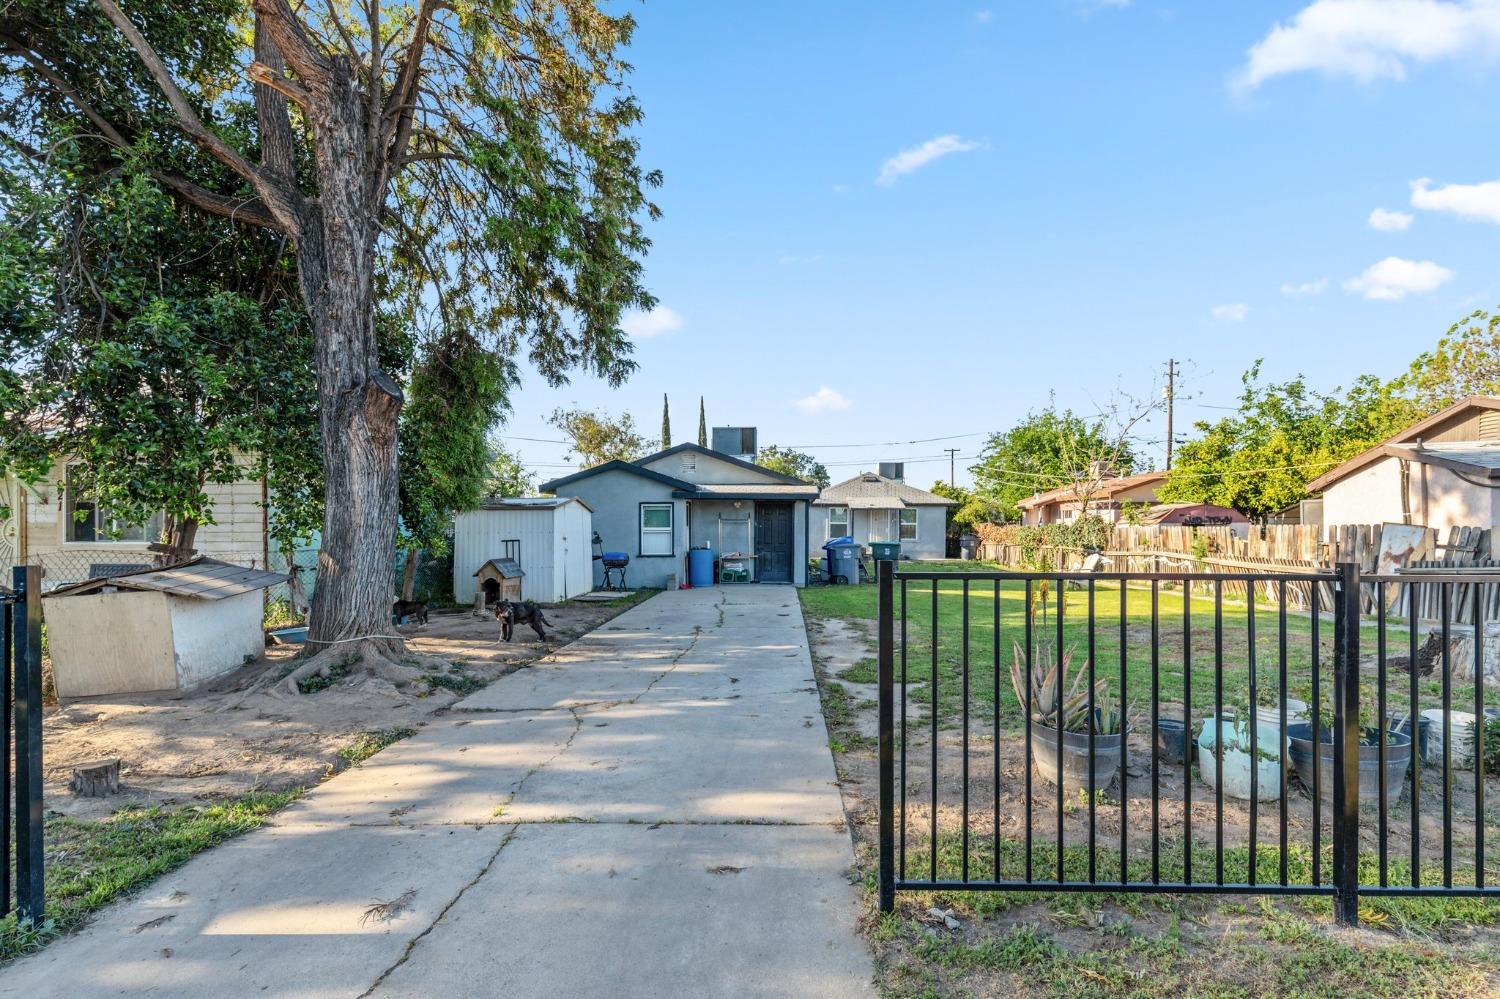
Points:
(700, 567)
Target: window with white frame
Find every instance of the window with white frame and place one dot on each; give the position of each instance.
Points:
(656, 529)
(838, 521)
(88, 522)
(909, 524)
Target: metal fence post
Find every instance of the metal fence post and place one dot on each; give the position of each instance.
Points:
(27, 639)
(885, 578)
(1346, 739)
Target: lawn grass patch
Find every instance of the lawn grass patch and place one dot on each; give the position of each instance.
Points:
(90, 863)
(367, 744)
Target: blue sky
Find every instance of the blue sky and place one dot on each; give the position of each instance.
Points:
(1087, 189)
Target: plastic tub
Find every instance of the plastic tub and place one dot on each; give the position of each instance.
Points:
(700, 567)
(1397, 759)
(1463, 737)
(1237, 762)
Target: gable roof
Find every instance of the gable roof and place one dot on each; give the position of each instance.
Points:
(1428, 453)
(1108, 489)
(638, 467)
(530, 503)
(202, 578)
(727, 459)
(869, 486)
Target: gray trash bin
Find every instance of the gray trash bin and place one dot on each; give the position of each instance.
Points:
(842, 562)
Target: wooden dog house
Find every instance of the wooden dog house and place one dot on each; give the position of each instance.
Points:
(498, 579)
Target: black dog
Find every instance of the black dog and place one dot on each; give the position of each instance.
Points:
(414, 609)
(510, 614)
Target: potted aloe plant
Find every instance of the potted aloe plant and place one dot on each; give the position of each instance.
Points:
(1058, 695)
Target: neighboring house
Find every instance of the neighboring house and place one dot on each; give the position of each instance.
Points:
(73, 538)
(871, 507)
(548, 537)
(1196, 515)
(1114, 495)
(687, 496)
(1440, 472)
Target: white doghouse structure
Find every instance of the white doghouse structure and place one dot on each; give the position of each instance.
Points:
(551, 538)
(156, 629)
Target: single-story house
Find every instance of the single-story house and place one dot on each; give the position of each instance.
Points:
(871, 507)
(1441, 472)
(73, 538)
(548, 537)
(688, 496)
(1110, 501)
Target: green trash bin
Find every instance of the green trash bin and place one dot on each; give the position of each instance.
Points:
(885, 551)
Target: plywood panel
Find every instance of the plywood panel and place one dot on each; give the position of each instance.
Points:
(110, 643)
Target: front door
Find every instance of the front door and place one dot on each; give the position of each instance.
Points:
(773, 542)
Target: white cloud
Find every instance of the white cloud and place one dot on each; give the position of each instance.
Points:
(654, 323)
(1467, 201)
(1388, 221)
(1305, 288)
(824, 400)
(984, 16)
(1235, 312)
(1393, 278)
(909, 160)
(1368, 40)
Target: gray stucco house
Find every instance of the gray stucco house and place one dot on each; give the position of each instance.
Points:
(687, 496)
(871, 507)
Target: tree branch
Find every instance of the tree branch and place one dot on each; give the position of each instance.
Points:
(251, 211)
(286, 31)
(284, 85)
(271, 111)
(401, 106)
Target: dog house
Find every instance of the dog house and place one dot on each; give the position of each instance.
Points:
(546, 540)
(156, 629)
(498, 579)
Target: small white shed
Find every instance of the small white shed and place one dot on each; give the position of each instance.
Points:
(155, 629)
(549, 537)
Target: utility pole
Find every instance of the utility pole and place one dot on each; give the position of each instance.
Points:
(1171, 399)
(952, 458)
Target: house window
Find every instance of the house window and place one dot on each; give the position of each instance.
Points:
(656, 528)
(838, 521)
(908, 525)
(88, 522)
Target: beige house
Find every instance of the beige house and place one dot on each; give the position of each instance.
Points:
(72, 538)
(1114, 495)
(1441, 472)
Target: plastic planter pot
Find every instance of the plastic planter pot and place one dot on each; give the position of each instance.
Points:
(1105, 761)
(1236, 758)
(1397, 760)
(1171, 740)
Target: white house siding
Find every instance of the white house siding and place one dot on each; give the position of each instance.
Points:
(211, 637)
(615, 497)
(555, 552)
(1437, 497)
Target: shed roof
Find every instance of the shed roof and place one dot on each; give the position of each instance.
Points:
(1409, 436)
(868, 485)
(201, 578)
(530, 503)
(1108, 488)
(1479, 458)
(749, 490)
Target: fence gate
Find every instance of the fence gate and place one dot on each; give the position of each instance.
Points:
(21, 721)
(1208, 744)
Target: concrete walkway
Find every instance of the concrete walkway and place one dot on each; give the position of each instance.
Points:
(649, 812)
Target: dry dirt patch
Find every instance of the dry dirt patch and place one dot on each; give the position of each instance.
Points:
(219, 741)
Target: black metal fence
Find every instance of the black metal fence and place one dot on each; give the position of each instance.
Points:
(21, 878)
(1301, 716)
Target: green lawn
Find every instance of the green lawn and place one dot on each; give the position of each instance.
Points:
(1215, 657)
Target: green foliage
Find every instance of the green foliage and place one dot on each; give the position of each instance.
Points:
(454, 397)
(793, 463)
(598, 437)
(1055, 692)
(1465, 362)
(506, 475)
(1046, 450)
(666, 423)
(367, 744)
(702, 425)
(1260, 459)
(974, 507)
(155, 347)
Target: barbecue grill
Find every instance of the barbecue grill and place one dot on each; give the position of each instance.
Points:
(614, 564)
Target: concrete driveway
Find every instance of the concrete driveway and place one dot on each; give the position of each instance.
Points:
(649, 812)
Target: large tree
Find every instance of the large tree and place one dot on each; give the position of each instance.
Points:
(598, 437)
(481, 153)
(1465, 362)
(1052, 448)
(794, 463)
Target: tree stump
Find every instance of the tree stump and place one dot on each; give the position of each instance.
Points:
(97, 779)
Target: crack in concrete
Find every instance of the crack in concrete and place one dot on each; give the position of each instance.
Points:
(411, 944)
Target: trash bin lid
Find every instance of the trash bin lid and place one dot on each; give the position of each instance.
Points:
(842, 542)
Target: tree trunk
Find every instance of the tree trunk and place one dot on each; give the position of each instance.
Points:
(409, 576)
(358, 403)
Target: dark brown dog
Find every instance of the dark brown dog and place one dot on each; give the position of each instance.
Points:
(414, 609)
(510, 614)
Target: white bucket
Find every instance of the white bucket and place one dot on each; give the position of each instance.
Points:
(1463, 737)
(1237, 762)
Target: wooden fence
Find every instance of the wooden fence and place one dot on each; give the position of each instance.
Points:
(1289, 548)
